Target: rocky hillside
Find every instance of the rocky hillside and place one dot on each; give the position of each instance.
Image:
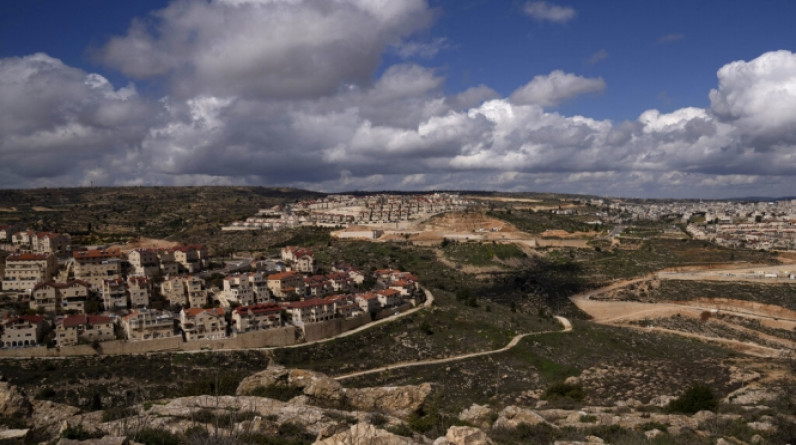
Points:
(294, 406)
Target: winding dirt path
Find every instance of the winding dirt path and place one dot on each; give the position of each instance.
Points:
(437, 361)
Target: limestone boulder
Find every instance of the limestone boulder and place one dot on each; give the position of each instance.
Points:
(12, 402)
(315, 384)
(464, 435)
(513, 416)
(273, 375)
(49, 416)
(478, 415)
(364, 434)
(399, 401)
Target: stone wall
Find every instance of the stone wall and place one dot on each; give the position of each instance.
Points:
(326, 329)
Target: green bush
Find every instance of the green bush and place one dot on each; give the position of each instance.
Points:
(563, 390)
(77, 432)
(696, 398)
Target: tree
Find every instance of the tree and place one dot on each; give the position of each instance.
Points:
(696, 398)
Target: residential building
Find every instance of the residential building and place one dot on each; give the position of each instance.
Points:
(49, 242)
(310, 311)
(368, 302)
(114, 294)
(24, 271)
(203, 324)
(286, 285)
(148, 324)
(237, 290)
(257, 317)
(144, 262)
(23, 331)
(302, 260)
(88, 328)
(138, 291)
(51, 296)
(388, 297)
(185, 291)
(259, 284)
(96, 266)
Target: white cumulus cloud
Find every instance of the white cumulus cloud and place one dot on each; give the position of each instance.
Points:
(554, 88)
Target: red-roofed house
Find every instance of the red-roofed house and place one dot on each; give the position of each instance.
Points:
(23, 331)
(310, 311)
(89, 328)
(96, 266)
(257, 317)
(286, 285)
(368, 302)
(389, 297)
(71, 295)
(201, 324)
(301, 259)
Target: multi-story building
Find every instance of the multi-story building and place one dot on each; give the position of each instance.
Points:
(23, 331)
(69, 296)
(286, 285)
(259, 284)
(203, 324)
(310, 311)
(138, 291)
(185, 291)
(74, 328)
(144, 262)
(25, 270)
(96, 266)
(257, 317)
(148, 324)
(49, 242)
(237, 290)
(114, 294)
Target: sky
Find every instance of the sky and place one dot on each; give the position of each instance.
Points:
(628, 98)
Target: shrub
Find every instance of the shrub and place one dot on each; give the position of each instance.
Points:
(46, 393)
(696, 398)
(563, 390)
(117, 413)
(77, 432)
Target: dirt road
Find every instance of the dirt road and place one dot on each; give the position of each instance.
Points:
(514, 341)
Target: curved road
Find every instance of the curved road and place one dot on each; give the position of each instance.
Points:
(436, 361)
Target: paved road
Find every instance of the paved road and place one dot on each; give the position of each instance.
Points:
(514, 341)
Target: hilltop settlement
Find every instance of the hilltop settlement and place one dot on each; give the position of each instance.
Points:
(67, 295)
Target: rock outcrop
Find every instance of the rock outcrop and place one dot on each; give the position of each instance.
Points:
(464, 435)
(512, 416)
(478, 415)
(364, 434)
(399, 401)
(12, 402)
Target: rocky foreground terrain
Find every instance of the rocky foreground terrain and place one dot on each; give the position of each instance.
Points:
(294, 406)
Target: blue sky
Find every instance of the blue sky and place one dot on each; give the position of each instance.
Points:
(610, 98)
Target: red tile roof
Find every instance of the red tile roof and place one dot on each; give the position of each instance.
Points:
(26, 257)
